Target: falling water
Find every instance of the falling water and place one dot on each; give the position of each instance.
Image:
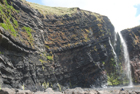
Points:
(127, 61)
(115, 55)
(115, 39)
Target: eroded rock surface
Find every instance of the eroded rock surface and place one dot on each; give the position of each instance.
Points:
(69, 91)
(53, 47)
(132, 38)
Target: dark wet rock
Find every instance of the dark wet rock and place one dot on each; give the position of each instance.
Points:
(60, 51)
(132, 39)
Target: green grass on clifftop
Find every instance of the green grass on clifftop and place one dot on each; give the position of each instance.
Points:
(46, 10)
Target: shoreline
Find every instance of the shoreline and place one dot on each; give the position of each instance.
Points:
(78, 90)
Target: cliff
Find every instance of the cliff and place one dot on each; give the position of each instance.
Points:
(53, 47)
(131, 36)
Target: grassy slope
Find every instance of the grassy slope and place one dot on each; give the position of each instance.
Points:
(46, 10)
(59, 11)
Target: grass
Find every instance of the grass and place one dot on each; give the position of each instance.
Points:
(28, 31)
(47, 46)
(112, 80)
(50, 57)
(95, 48)
(15, 23)
(45, 85)
(59, 87)
(4, 26)
(87, 30)
(58, 11)
(42, 61)
(23, 87)
(98, 17)
(103, 63)
(0, 87)
(46, 10)
(6, 11)
(61, 11)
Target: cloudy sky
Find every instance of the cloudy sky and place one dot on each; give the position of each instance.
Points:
(122, 13)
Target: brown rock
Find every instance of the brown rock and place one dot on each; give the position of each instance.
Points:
(74, 91)
(93, 92)
(80, 91)
(24, 92)
(104, 92)
(7, 91)
(124, 92)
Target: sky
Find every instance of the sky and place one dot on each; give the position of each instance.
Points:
(122, 13)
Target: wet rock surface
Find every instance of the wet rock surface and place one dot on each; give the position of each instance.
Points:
(132, 39)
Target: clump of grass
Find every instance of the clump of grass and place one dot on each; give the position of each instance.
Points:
(6, 11)
(42, 61)
(59, 86)
(47, 46)
(9, 26)
(50, 57)
(28, 31)
(45, 85)
(4, 26)
(113, 80)
(15, 23)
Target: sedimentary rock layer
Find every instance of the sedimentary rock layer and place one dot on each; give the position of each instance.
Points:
(54, 47)
(132, 39)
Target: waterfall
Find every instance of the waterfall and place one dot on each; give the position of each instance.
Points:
(127, 61)
(115, 55)
(115, 39)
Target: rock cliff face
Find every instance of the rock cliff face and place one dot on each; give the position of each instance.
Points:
(132, 39)
(61, 48)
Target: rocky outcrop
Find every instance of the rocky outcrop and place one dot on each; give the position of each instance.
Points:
(70, 91)
(61, 48)
(131, 37)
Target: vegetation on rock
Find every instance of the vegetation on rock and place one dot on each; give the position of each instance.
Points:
(29, 32)
(68, 45)
(6, 14)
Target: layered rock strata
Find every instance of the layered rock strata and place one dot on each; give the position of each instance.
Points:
(53, 47)
(131, 36)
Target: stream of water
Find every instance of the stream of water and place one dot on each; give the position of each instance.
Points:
(127, 61)
(115, 55)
